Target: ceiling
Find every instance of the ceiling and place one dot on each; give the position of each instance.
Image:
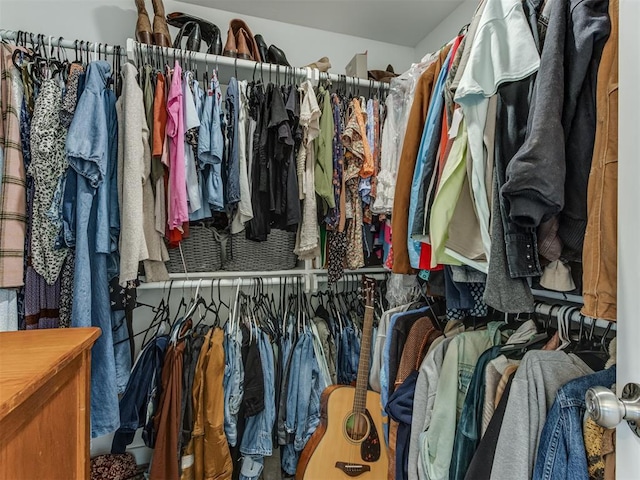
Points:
(399, 22)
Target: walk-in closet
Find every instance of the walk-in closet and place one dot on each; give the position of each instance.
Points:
(310, 240)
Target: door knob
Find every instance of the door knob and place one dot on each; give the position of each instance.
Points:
(608, 410)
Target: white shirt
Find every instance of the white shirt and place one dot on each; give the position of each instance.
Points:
(388, 160)
(308, 238)
(191, 120)
(245, 209)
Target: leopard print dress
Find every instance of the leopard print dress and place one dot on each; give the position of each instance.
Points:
(48, 164)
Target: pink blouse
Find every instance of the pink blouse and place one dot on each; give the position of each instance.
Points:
(178, 208)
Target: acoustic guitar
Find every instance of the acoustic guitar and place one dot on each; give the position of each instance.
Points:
(349, 440)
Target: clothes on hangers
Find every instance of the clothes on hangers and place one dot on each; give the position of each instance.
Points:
(139, 240)
(166, 421)
(452, 154)
(407, 162)
(599, 256)
(261, 383)
(93, 162)
(451, 411)
(13, 194)
(474, 128)
(307, 240)
(140, 399)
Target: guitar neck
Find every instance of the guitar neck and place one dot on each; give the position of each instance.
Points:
(360, 398)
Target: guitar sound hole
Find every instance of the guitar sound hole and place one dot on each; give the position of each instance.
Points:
(356, 427)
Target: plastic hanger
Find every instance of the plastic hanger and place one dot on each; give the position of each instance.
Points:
(588, 348)
(158, 322)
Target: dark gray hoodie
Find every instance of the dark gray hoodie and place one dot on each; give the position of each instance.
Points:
(549, 174)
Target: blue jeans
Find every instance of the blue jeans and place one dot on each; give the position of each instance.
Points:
(121, 350)
(458, 294)
(286, 345)
(258, 434)
(232, 383)
(257, 440)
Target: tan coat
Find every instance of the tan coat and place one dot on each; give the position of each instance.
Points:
(600, 252)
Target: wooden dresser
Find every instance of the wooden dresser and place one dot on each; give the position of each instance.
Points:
(44, 403)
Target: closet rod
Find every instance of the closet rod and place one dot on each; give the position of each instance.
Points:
(575, 316)
(274, 273)
(52, 41)
(369, 271)
(134, 48)
(320, 276)
(565, 297)
(257, 274)
(230, 279)
(223, 282)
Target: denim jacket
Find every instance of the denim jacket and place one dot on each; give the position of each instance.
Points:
(258, 435)
(303, 401)
(233, 381)
(561, 451)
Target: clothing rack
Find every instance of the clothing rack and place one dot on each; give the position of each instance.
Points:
(546, 309)
(229, 67)
(54, 42)
(310, 278)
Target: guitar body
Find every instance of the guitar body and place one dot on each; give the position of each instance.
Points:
(345, 445)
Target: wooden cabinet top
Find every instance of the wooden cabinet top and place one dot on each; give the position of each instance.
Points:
(28, 359)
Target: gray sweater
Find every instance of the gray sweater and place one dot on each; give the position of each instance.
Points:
(534, 388)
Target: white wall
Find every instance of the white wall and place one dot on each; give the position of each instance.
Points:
(114, 21)
(446, 30)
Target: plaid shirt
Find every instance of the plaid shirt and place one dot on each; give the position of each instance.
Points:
(13, 197)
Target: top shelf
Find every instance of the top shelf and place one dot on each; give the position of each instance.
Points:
(229, 67)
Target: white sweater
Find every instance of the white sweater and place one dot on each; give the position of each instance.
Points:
(139, 240)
